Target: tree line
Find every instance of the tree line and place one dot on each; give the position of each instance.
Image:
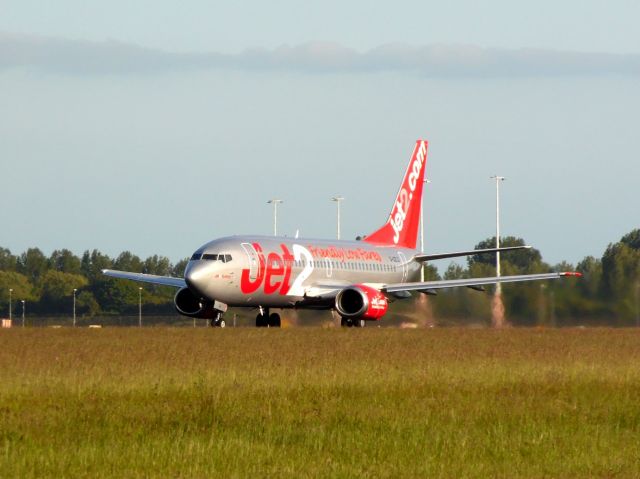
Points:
(47, 283)
(607, 294)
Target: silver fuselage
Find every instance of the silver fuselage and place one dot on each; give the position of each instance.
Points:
(284, 272)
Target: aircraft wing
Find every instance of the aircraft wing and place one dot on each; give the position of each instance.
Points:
(147, 278)
(470, 282)
(326, 289)
(422, 258)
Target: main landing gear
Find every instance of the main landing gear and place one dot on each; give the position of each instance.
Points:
(352, 323)
(266, 320)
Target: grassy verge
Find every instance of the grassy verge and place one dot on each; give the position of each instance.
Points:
(312, 403)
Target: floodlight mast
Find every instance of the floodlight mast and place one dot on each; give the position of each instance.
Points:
(275, 202)
(422, 230)
(498, 179)
(338, 200)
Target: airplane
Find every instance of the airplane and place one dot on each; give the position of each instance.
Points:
(357, 279)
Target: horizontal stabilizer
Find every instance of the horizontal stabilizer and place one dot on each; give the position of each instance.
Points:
(422, 258)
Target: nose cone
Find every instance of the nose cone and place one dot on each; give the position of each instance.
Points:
(196, 275)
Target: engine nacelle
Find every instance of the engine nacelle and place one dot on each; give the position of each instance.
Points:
(188, 304)
(361, 301)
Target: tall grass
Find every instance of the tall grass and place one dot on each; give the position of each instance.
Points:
(319, 403)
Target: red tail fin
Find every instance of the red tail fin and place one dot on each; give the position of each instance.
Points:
(401, 229)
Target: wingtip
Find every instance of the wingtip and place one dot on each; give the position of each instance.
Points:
(571, 273)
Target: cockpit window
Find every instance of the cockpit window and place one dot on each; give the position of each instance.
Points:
(196, 256)
(225, 258)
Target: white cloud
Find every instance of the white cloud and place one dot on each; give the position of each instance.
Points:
(78, 57)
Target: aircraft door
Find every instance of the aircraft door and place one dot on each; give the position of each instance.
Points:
(329, 267)
(404, 264)
(254, 263)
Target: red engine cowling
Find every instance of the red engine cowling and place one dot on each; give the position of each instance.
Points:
(361, 301)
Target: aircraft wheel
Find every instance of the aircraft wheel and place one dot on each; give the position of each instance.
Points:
(358, 323)
(274, 320)
(262, 321)
(215, 321)
(221, 323)
(346, 323)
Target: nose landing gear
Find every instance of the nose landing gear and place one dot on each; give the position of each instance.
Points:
(218, 321)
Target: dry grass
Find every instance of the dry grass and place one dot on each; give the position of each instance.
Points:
(312, 402)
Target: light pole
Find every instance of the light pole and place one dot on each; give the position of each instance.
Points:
(10, 293)
(23, 308)
(498, 180)
(422, 230)
(140, 307)
(74, 306)
(338, 200)
(638, 304)
(275, 202)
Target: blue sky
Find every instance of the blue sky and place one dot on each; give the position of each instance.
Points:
(150, 127)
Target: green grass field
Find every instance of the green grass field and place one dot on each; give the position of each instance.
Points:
(308, 402)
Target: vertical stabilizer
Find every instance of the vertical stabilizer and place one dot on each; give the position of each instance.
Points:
(401, 229)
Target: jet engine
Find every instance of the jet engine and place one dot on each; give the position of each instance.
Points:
(189, 304)
(361, 301)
